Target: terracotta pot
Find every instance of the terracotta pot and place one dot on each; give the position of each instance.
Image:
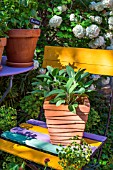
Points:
(20, 47)
(2, 45)
(63, 124)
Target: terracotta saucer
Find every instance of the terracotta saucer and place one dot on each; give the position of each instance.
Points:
(12, 64)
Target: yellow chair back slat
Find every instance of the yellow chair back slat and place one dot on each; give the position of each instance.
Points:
(96, 61)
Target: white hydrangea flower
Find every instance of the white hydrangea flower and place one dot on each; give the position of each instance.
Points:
(98, 42)
(95, 76)
(108, 35)
(92, 18)
(107, 3)
(92, 45)
(106, 81)
(98, 20)
(92, 31)
(111, 27)
(109, 47)
(36, 64)
(92, 87)
(72, 17)
(99, 6)
(111, 13)
(110, 20)
(111, 41)
(79, 31)
(59, 8)
(55, 21)
(62, 8)
(92, 5)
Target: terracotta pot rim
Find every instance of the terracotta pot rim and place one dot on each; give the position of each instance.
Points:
(4, 41)
(24, 33)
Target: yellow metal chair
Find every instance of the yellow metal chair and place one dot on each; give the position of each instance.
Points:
(28, 146)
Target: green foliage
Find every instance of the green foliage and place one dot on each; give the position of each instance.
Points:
(74, 156)
(11, 162)
(20, 12)
(93, 120)
(66, 85)
(8, 118)
(31, 104)
(3, 21)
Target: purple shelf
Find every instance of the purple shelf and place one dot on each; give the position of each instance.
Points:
(9, 71)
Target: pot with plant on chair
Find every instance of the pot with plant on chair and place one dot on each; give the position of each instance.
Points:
(66, 102)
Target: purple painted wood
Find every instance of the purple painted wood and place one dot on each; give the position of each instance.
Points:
(30, 133)
(86, 134)
(9, 71)
(95, 137)
(37, 123)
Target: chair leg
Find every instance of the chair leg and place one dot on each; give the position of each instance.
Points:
(108, 121)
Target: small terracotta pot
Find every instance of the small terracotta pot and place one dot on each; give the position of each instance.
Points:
(20, 47)
(63, 124)
(3, 42)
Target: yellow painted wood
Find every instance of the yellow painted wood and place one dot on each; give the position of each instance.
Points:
(29, 153)
(34, 128)
(45, 131)
(93, 142)
(95, 61)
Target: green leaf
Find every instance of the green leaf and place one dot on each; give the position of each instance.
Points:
(72, 108)
(50, 69)
(69, 83)
(54, 92)
(88, 84)
(72, 88)
(55, 72)
(80, 91)
(84, 75)
(70, 71)
(44, 76)
(60, 102)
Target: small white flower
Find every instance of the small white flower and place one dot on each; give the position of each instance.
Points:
(92, 18)
(98, 42)
(42, 71)
(72, 17)
(106, 81)
(108, 35)
(36, 64)
(92, 31)
(110, 21)
(109, 47)
(107, 3)
(98, 20)
(95, 76)
(92, 87)
(79, 31)
(99, 6)
(111, 13)
(55, 21)
(92, 5)
(59, 8)
(62, 8)
(111, 27)
(112, 41)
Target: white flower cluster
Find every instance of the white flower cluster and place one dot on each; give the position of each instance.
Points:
(79, 31)
(55, 21)
(36, 64)
(95, 32)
